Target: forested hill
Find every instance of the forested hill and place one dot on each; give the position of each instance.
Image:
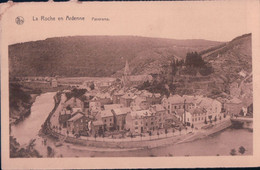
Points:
(97, 55)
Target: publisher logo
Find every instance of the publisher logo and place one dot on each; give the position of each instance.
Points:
(19, 20)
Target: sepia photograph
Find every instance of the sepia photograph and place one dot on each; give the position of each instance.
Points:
(173, 83)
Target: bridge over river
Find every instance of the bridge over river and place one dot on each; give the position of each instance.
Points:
(242, 122)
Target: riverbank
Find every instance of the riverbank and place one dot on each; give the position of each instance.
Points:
(23, 112)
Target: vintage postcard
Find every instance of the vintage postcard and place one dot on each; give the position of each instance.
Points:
(130, 84)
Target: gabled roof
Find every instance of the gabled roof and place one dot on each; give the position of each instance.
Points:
(76, 117)
(235, 100)
(98, 123)
(103, 95)
(176, 99)
(121, 111)
(140, 78)
(179, 112)
(146, 93)
(198, 110)
(112, 106)
(120, 92)
(158, 107)
(141, 113)
(157, 95)
(106, 113)
(136, 108)
(206, 102)
(73, 100)
(128, 96)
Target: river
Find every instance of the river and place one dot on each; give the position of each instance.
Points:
(217, 144)
(29, 128)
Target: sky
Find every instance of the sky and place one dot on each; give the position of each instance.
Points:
(210, 20)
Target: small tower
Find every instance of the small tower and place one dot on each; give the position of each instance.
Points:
(127, 70)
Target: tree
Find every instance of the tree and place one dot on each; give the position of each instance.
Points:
(131, 135)
(92, 86)
(220, 118)
(173, 131)
(150, 134)
(166, 131)
(180, 130)
(192, 126)
(233, 152)
(224, 115)
(50, 151)
(95, 136)
(241, 150)
(141, 136)
(68, 107)
(215, 119)
(158, 134)
(205, 121)
(186, 129)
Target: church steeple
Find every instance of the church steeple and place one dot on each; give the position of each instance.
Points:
(126, 75)
(127, 70)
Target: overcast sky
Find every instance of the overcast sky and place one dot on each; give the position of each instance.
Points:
(216, 20)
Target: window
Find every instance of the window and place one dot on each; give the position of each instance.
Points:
(105, 120)
(188, 119)
(195, 119)
(175, 107)
(151, 123)
(199, 118)
(110, 120)
(136, 123)
(136, 127)
(202, 118)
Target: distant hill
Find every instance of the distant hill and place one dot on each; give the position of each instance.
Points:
(98, 55)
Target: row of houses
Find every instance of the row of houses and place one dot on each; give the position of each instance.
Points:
(193, 109)
(117, 119)
(139, 115)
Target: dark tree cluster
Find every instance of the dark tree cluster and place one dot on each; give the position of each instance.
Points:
(157, 87)
(193, 64)
(193, 59)
(75, 93)
(18, 95)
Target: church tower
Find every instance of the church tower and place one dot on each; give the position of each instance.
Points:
(127, 70)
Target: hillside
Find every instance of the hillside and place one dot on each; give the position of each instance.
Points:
(97, 55)
(233, 57)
